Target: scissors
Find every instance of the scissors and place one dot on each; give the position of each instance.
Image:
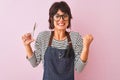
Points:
(34, 28)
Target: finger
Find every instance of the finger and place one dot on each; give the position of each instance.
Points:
(28, 36)
(23, 38)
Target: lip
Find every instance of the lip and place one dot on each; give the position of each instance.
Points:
(61, 24)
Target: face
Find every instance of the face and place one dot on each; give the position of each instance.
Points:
(61, 20)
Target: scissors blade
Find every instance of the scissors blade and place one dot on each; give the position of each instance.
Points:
(34, 28)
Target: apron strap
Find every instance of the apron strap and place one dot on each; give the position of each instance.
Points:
(68, 38)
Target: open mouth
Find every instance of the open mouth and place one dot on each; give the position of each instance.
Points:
(61, 24)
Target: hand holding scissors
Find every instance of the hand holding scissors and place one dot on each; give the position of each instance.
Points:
(28, 37)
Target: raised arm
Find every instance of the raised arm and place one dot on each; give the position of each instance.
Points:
(27, 40)
(87, 39)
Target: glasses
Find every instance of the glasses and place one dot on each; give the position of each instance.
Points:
(57, 17)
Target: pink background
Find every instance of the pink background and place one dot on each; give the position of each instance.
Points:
(101, 18)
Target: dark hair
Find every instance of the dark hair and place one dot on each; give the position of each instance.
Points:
(63, 6)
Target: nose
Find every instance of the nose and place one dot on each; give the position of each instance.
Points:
(61, 18)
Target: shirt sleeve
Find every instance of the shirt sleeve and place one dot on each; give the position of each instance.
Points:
(36, 57)
(79, 64)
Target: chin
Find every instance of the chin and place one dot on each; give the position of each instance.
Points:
(61, 28)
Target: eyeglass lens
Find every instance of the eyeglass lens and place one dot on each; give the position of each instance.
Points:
(58, 17)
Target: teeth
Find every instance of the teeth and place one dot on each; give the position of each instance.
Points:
(61, 24)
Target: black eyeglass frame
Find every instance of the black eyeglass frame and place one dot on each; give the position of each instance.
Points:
(65, 17)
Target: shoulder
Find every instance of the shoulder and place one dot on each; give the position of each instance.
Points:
(76, 38)
(77, 41)
(75, 35)
(43, 35)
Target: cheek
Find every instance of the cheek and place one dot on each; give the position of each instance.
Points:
(55, 23)
(67, 23)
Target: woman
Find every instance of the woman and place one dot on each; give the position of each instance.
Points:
(60, 51)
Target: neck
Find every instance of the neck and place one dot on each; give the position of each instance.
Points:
(59, 34)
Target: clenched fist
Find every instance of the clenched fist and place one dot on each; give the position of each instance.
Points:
(87, 39)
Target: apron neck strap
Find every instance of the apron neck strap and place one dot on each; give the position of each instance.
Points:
(68, 38)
